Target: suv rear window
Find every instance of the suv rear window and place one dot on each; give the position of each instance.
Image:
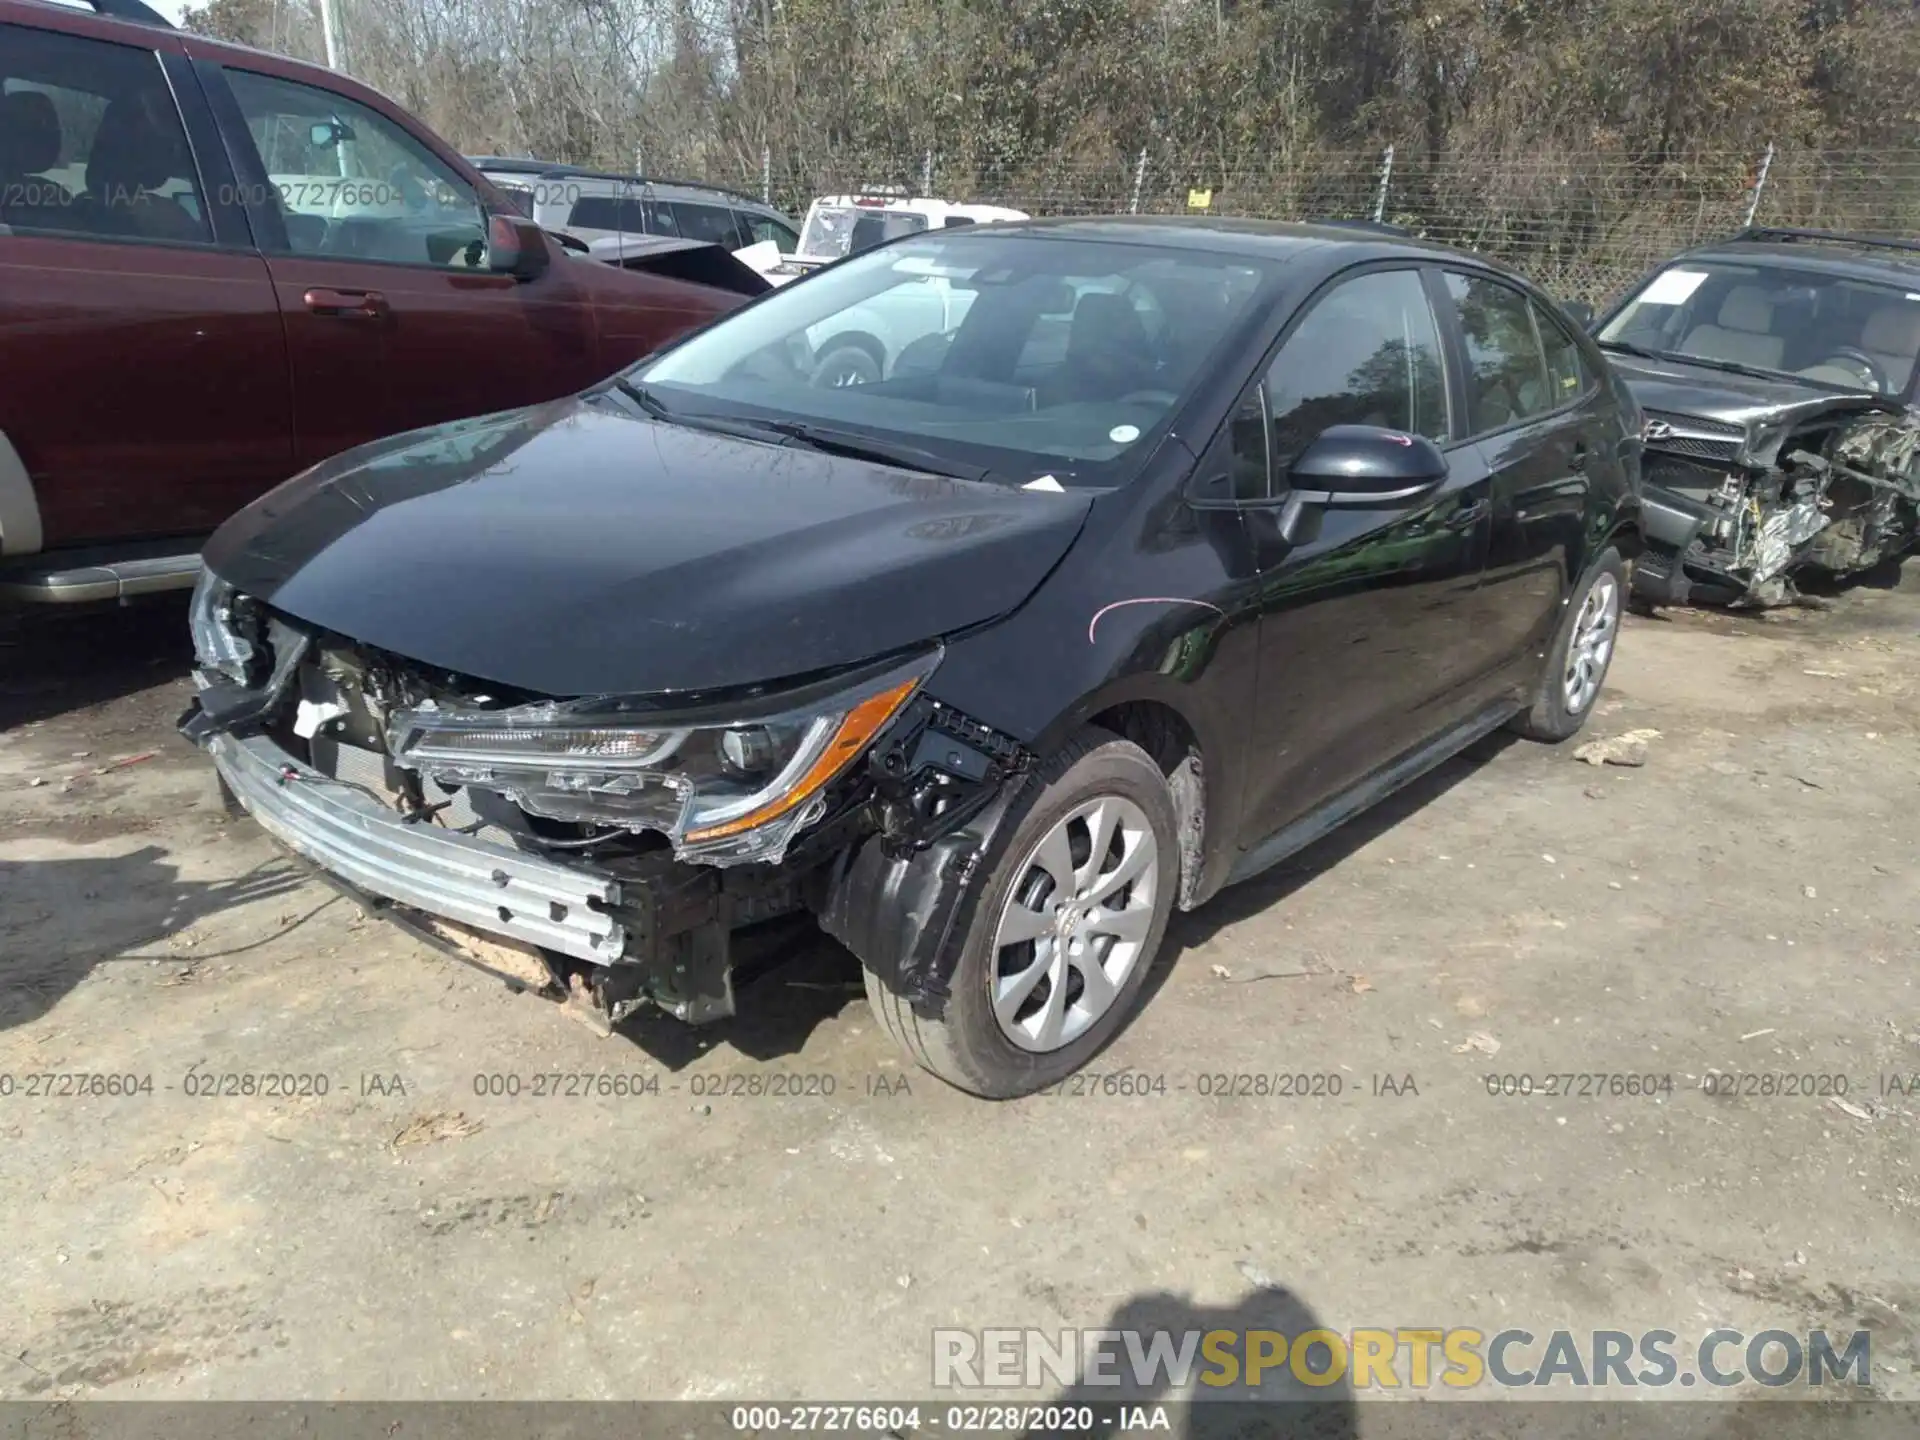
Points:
(609, 212)
(91, 144)
(695, 221)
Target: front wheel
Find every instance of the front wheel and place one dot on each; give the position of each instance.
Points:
(1582, 651)
(1065, 932)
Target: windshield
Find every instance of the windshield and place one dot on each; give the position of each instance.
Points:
(1849, 334)
(1028, 356)
(835, 231)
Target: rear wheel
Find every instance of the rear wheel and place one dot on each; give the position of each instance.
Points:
(1582, 651)
(1069, 921)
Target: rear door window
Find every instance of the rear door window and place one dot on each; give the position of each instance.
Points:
(91, 143)
(1566, 371)
(1507, 379)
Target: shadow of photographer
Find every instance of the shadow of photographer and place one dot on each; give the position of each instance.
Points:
(1225, 1403)
(65, 916)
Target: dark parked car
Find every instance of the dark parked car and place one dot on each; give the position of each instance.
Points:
(598, 205)
(1778, 378)
(218, 267)
(991, 665)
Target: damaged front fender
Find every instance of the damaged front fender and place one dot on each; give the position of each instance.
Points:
(902, 900)
(905, 912)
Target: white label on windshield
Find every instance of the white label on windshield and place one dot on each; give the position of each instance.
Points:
(1047, 483)
(1912, 296)
(1672, 287)
(1124, 434)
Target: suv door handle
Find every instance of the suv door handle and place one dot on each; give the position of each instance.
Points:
(1578, 461)
(347, 304)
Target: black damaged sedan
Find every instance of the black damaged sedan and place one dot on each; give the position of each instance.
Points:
(1147, 553)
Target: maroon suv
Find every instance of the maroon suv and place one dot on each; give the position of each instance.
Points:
(219, 266)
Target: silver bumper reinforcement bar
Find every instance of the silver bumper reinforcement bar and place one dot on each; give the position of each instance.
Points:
(487, 886)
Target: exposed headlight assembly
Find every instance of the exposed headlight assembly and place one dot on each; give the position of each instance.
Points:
(725, 785)
(217, 645)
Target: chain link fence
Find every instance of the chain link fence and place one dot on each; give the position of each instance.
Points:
(1582, 224)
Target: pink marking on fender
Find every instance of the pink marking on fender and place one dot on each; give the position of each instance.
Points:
(1150, 600)
(1406, 440)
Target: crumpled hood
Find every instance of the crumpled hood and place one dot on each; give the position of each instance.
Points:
(1676, 388)
(576, 549)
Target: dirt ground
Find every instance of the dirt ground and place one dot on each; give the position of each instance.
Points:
(1744, 903)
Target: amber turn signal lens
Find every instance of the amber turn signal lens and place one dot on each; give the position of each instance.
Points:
(863, 722)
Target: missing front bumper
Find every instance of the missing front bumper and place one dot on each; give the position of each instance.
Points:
(489, 887)
(1673, 568)
(1672, 524)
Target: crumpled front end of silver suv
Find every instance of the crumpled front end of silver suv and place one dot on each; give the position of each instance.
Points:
(1733, 519)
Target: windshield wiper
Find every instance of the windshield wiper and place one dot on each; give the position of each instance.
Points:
(1626, 348)
(1734, 367)
(865, 447)
(1679, 357)
(643, 397)
(658, 409)
(813, 437)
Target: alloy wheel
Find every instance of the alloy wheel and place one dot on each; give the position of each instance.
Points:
(1075, 924)
(1591, 646)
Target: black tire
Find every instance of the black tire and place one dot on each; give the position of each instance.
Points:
(1551, 718)
(966, 1047)
(848, 364)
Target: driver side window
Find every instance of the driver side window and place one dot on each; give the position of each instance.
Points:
(1367, 353)
(351, 184)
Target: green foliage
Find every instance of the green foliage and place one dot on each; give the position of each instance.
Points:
(1576, 136)
(998, 86)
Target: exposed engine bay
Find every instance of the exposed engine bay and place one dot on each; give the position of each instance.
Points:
(1735, 521)
(701, 830)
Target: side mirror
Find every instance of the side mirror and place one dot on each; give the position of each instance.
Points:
(516, 247)
(325, 134)
(1580, 312)
(1366, 465)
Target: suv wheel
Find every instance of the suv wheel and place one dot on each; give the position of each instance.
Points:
(1065, 932)
(1577, 665)
(846, 365)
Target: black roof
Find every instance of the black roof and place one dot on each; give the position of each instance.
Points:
(1885, 259)
(1254, 239)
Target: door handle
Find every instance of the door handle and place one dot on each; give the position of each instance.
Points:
(1578, 461)
(1468, 516)
(347, 304)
